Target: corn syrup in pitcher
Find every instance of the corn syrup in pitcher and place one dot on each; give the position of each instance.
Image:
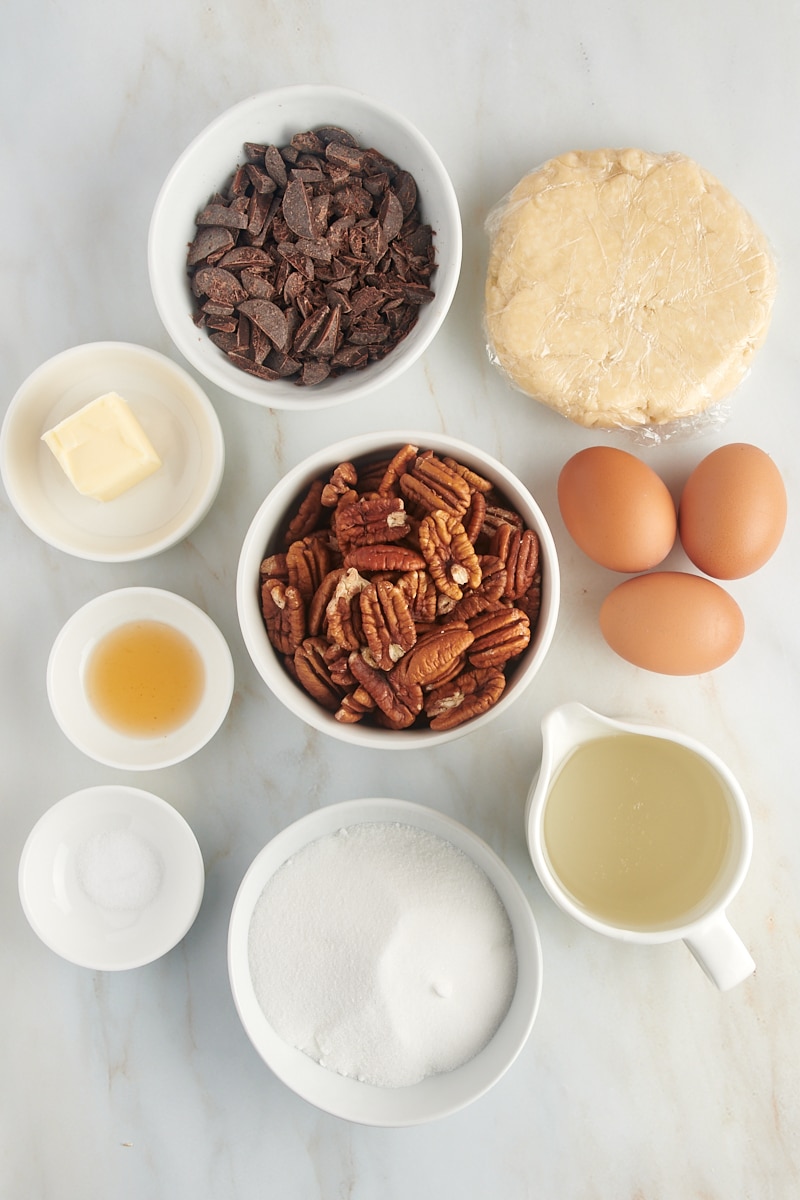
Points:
(637, 828)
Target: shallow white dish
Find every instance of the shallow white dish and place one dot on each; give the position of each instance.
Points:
(263, 537)
(61, 911)
(67, 693)
(438, 1095)
(176, 415)
(205, 167)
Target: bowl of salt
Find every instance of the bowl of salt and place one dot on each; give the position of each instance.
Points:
(384, 962)
(111, 877)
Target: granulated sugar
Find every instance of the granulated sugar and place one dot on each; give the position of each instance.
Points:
(384, 953)
(119, 870)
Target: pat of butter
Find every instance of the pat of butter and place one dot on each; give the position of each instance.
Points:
(102, 448)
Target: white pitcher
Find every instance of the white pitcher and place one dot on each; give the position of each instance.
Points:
(705, 927)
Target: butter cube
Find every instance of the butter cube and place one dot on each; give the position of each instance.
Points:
(102, 448)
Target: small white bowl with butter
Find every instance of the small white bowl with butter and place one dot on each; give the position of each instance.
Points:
(111, 452)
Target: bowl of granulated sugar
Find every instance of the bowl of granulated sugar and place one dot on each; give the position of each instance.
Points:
(384, 962)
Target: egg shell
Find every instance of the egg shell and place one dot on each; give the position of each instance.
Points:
(732, 511)
(617, 509)
(672, 622)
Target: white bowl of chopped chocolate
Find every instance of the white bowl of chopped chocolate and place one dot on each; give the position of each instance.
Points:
(305, 247)
(398, 589)
(384, 962)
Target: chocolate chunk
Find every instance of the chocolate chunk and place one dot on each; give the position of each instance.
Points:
(328, 340)
(269, 318)
(261, 181)
(390, 215)
(297, 209)
(275, 166)
(219, 285)
(315, 372)
(209, 240)
(332, 133)
(222, 215)
(309, 141)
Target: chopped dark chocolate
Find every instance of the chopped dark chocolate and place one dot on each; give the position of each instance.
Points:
(313, 261)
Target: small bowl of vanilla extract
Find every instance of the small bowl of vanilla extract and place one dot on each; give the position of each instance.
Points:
(140, 678)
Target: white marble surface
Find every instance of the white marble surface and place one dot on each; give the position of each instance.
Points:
(640, 1081)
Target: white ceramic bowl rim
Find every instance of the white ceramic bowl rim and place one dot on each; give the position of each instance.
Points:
(265, 524)
(157, 513)
(59, 911)
(438, 1095)
(71, 707)
(211, 157)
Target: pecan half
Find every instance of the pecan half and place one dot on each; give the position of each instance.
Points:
(371, 519)
(497, 515)
(386, 623)
(397, 697)
(431, 484)
(308, 561)
(355, 706)
(398, 466)
(308, 516)
(531, 602)
(475, 516)
(436, 653)
(384, 557)
(500, 634)
(342, 478)
(312, 671)
(449, 553)
(486, 594)
(283, 610)
(343, 614)
(274, 567)
(468, 695)
(476, 482)
(317, 609)
(421, 594)
(519, 551)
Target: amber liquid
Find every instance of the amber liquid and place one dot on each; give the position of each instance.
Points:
(145, 678)
(637, 829)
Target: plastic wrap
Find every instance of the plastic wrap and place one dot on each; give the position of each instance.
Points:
(627, 290)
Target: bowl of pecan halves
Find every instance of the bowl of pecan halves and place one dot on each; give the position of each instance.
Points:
(305, 247)
(398, 589)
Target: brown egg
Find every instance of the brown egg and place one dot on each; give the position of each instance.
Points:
(732, 511)
(672, 622)
(617, 509)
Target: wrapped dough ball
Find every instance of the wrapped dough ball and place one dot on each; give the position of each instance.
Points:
(625, 289)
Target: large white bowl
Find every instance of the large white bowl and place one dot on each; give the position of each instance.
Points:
(69, 919)
(178, 418)
(437, 1095)
(205, 166)
(66, 688)
(262, 538)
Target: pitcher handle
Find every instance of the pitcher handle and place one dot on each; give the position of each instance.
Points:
(721, 952)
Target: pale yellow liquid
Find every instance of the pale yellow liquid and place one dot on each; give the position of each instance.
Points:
(145, 678)
(637, 829)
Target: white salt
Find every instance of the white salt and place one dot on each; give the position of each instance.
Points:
(384, 953)
(119, 870)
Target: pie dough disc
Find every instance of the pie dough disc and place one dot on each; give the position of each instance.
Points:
(625, 288)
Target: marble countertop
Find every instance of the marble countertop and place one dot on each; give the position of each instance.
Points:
(640, 1080)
